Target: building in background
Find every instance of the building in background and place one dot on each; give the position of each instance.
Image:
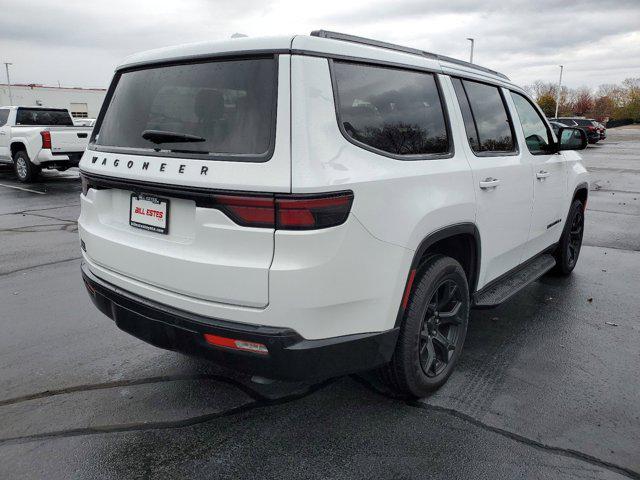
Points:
(81, 102)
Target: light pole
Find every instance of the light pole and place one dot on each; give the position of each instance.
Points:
(471, 56)
(6, 65)
(558, 93)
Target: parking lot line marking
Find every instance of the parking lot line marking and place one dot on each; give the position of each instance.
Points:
(22, 188)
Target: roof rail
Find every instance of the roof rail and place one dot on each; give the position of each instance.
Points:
(399, 48)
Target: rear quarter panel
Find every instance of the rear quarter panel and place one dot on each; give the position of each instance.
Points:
(30, 138)
(399, 202)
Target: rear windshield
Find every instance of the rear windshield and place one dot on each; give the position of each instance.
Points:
(216, 109)
(43, 117)
(584, 123)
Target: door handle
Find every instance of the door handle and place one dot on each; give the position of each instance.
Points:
(489, 182)
(542, 174)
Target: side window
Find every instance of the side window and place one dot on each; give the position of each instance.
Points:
(396, 111)
(4, 115)
(535, 130)
(490, 125)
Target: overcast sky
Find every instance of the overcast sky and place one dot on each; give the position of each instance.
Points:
(79, 42)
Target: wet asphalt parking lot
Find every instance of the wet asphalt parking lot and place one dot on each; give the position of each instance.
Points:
(548, 385)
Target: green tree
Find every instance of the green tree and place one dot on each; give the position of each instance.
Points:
(547, 103)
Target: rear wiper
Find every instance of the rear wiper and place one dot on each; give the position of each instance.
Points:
(160, 136)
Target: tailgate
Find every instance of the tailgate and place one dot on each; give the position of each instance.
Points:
(201, 252)
(69, 140)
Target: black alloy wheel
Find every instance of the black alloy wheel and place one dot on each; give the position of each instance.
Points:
(568, 249)
(433, 328)
(440, 328)
(575, 238)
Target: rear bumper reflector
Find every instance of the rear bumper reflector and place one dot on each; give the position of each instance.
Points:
(236, 344)
(407, 290)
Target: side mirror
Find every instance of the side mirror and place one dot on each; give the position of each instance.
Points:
(570, 138)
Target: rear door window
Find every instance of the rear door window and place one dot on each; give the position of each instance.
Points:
(394, 111)
(4, 115)
(217, 109)
(43, 117)
(487, 122)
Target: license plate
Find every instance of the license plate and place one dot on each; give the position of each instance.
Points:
(149, 213)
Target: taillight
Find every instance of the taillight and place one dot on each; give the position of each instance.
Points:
(591, 129)
(307, 213)
(85, 184)
(248, 211)
(46, 139)
(287, 212)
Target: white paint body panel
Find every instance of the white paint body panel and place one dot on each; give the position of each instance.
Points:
(324, 283)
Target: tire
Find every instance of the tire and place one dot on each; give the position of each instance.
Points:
(429, 344)
(26, 171)
(570, 242)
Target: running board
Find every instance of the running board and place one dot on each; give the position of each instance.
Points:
(503, 289)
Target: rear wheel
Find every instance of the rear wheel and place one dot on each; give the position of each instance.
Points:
(570, 243)
(433, 330)
(25, 170)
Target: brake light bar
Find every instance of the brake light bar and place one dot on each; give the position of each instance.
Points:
(287, 212)
(235, 344)
(46, 139)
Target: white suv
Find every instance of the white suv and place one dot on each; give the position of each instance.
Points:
(310, 206)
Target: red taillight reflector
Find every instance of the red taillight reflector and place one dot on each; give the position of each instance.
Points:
(305, 213)
(46, 139)
(85, 184)
(235, 344)
(591, 129)
(248, 211)
(90, 289)
(407, 289)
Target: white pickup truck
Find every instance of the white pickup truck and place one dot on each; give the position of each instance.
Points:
(33, 138)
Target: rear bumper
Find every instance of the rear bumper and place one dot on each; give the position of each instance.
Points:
(290, 356)
(46, 157)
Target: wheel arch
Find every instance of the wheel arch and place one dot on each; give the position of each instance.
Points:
(460, 241)
(16, 147)
(581, 192)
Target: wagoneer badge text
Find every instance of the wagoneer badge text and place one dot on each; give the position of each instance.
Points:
(162, 167)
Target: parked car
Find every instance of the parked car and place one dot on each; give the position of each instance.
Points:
(588, 125)
(556, 126)
(309, 206)
(33, 138)
(602, 130)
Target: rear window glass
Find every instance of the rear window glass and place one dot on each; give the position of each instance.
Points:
(217, 108)
(4, 115)
(395, 111)
(584, 123)
(43, 117)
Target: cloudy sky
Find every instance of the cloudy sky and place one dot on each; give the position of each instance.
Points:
(79, 42)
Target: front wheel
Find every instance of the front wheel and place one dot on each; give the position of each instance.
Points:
(26, 171)
(433, 329)
(571, 240)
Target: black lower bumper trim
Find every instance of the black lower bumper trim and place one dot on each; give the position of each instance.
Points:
(290, 357)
